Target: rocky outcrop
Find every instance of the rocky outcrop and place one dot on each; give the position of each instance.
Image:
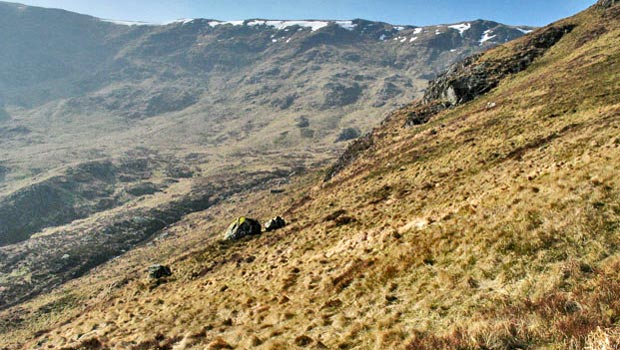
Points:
(348, 134)
(340, 95)
(350, 154)
(474, 76)
(242, 227)
(479, 74)
(606, 3)
(463, 82)
(303, 122)
(275, 224)
(159, 271)
(422, 113)
(142, 189)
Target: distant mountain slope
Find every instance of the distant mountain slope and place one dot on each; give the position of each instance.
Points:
(49, 54)
(485, 216)
(55, 53)
(201, 86)
(102, 118)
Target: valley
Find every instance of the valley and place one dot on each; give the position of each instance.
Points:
(111, 131)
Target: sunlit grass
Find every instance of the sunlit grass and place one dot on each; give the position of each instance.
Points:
(488, 228)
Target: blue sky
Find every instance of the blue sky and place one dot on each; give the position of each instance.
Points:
(414, 12)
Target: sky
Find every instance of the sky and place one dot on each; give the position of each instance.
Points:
(411, 12)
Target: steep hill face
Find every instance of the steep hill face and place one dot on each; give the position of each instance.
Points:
(491, 222)
(110, 131)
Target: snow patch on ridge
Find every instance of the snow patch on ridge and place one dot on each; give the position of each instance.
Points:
(313, 25)
(461, 27)
(487, 36)
(401, 39)
(280, 25)
(348, 25)
(182, 21)
(128, 23)
(219, 23)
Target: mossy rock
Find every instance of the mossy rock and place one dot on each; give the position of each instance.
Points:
(242, 227)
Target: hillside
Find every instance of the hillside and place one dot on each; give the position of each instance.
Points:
(111, 131)
(485, 216)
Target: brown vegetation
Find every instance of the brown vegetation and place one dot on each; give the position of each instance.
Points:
(485, 228)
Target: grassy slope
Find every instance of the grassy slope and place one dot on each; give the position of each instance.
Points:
(132, 111)
(488, 228)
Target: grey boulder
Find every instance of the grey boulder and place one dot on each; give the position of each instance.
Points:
(159, 271)
(275, 224)
(242, 227)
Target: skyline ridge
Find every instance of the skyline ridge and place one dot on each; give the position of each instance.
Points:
(528, 13)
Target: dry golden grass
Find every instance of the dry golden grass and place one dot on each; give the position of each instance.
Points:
(488, 228)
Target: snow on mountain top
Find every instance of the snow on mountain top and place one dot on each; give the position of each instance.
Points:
(128, 23)
(461, 27)
(487, 36)
(524, 31)
(218, 23)
(182, 21)
(349, 25)
(314, 25)
(280, 25)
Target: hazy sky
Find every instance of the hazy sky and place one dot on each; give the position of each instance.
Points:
(414, 12)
